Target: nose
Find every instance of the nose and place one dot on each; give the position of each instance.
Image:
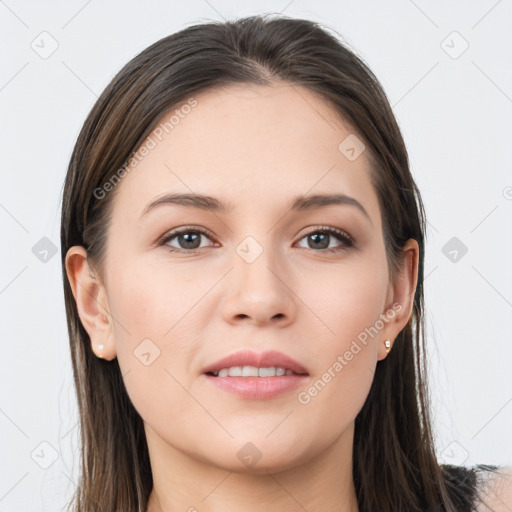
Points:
(259, 292)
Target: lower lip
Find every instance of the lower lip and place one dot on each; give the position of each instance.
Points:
(258, 388)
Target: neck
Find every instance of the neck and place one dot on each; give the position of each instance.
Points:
(323, 483)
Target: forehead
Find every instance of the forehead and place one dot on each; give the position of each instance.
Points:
(251, 144)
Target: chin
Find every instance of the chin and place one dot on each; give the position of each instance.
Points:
(259, 458)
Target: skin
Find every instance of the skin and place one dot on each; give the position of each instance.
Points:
(256, 147)
(496, 491)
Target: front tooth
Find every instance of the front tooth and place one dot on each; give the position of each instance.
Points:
(249, 371)
(235, 371)
(252, 371)
(267, 372)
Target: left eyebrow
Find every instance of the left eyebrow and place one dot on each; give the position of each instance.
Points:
(304, 203)
(212, 204)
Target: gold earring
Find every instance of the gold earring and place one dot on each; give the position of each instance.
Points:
(387, 344)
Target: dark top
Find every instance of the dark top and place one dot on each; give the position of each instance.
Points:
(463, 484)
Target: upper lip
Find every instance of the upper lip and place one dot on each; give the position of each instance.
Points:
(266, 359)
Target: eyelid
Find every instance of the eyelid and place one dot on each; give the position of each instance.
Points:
(330, 230)
(184, 229)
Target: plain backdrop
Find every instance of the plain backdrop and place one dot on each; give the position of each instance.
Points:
(446, 68)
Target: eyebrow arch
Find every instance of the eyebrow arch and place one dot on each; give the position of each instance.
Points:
(207, 203)
(299, 203)
(304, 203)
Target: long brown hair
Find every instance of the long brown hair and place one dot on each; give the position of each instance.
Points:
(394, 462)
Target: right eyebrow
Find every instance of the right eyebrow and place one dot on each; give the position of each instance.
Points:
(202, 202)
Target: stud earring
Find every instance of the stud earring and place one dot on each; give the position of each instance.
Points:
(100, 347)
(387, 344)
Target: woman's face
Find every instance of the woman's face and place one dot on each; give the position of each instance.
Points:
(260, 276)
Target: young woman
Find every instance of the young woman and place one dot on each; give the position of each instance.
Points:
(242, 248)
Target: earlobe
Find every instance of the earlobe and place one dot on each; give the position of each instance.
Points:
(92, 304)
(401, 297)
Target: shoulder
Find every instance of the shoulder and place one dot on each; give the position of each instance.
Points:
(494, 489)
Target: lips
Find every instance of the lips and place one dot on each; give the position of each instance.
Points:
(277, 375)
(269, 359)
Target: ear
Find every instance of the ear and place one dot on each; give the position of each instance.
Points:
(92, 303)
(400, 300)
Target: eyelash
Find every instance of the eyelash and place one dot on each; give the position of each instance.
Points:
(341, 235)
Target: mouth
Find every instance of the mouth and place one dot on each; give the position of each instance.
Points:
(254, 376)
(253, 364)
(253, 371)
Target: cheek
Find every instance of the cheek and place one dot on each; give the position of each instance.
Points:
(334, 398)
(345, 356)
(348, 298)
(154, 340)
(152, 302)
(349, 304)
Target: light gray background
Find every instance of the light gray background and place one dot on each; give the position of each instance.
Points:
(455, 116)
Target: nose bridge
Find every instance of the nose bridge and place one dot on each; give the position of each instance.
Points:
(257, 290)
(255, 261)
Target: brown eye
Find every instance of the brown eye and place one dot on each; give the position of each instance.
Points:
(185, 240)
(190, 240)
(322, 238)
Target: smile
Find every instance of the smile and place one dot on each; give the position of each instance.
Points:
(251, 375)
(252, 371)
